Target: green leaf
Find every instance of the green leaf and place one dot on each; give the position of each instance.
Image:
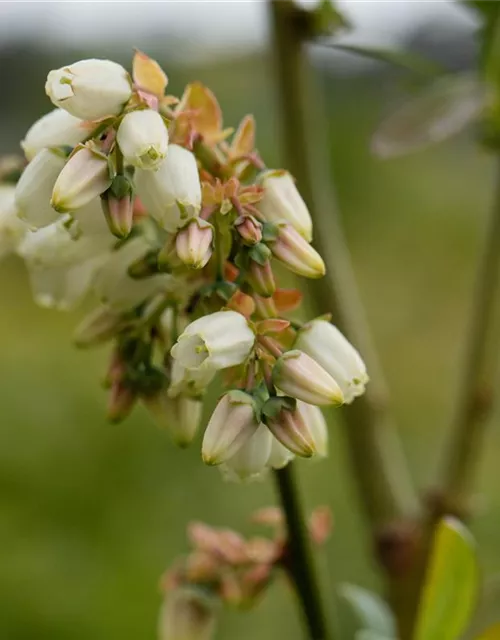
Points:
(451, 584)
(371, 610)
(493, 633)
(438, 112)
(403, 59)
(368, 634)
(260, 253)
(487, 611)
(328, 19)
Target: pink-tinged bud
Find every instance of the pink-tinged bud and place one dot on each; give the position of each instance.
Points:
(249, 228)
(320, 524)
(119, 214)
(100, 325)
(296, 374)
(180, 416)
(289, 427)
(188, 613)
(84, 177)
(122, 399)
(232, 423)
(201, 566)
(296, 254)
(315, 420)
(261, 278)
(193, 243)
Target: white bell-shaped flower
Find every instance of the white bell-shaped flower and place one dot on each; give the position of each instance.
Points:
(279, 456)
(282, 202)
(172, 194)
(323, 342)
(251, 459)
(34, 188)
(12, 229)
(61, 268)
(231, 425)
(220, 340)
(191, 382)
(315, 420)
(84, 177)
(143, 138)
(58, 128)
(116, 288)
(90, 89)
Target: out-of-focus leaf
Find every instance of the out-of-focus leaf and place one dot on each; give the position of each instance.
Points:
(493, 633)
(371, 610)
(451, 584)
(328, 19)
(487, 612)
(404, 59)
(442, 109)
(488, 9)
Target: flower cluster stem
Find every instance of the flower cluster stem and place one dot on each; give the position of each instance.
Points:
(300, 563)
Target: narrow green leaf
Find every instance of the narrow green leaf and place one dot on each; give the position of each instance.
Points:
(451, 584)
(437, 112)
(403, 59)
(368, 634)
(493, 633)
(371, 610)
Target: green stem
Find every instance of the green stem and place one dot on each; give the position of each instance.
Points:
(377, 461)
(299, 561)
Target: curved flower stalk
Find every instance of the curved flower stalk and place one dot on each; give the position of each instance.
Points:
(151, 209)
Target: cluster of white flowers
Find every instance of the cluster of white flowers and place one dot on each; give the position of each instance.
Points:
(137, 198)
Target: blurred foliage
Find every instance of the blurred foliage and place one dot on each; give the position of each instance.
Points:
(92, 513)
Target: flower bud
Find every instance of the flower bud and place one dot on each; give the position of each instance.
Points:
(251, 458)
(193, 243)
(296, 374)
(179, 416)
(296, 254)
(282, 202)
(58, 128)
(34, 189)
(90, 89)
(99, 326)
(316, 423)
(121, 401)
(261, 278)
(143, 138)
(85, 176)
(12, 230)
(188, 613)
(249, 228)
(118, 206)
(232, 424)
(172, 194)
(289, 427)
(220, 340)
(329, 348)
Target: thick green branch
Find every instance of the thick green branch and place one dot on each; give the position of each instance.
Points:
(299, 561)
(376, 457)
(475, 393)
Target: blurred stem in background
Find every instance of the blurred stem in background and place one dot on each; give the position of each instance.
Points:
(379, 468)
(475, 394)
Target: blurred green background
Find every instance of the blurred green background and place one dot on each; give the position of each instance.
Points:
(91, 513)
